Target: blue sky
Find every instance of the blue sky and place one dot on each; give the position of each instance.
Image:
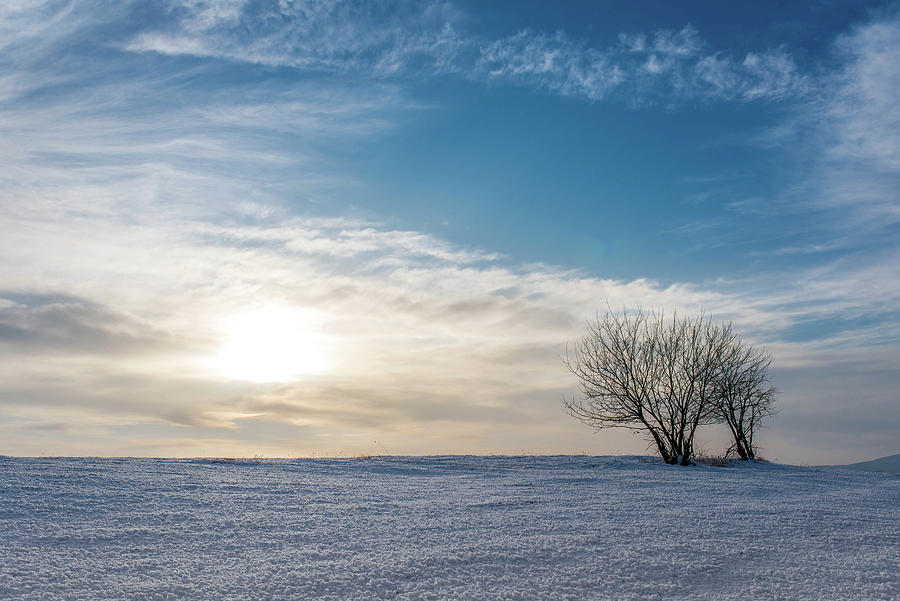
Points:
(433, 195)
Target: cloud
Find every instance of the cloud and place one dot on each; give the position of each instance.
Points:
(312, 36)
(467, 347)
(61, 325)
(382, 42)
(342, 239)
(428, 338)
(641, 69)
(860, 171)
(841, 146)
(863, 104)
(428, 39)
(836, 209)
(143, 206)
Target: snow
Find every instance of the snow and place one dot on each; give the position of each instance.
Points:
(622, 528)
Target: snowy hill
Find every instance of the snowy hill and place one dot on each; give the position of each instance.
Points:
(890, 465)
(560, 528)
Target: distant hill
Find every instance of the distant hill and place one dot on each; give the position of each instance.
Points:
(890, 464)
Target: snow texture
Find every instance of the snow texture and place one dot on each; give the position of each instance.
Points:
(554, 528)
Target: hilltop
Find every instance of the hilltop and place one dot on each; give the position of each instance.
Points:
(889, 464)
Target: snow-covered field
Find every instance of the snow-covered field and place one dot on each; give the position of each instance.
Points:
(549, 528)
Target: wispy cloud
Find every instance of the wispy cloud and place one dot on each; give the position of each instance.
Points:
(840, 172)
(861, 168)
(640, 68)
(312, 36)
(851, 134)
(429, 39)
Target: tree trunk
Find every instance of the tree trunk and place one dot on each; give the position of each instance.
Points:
(744, 450)
(661, 446)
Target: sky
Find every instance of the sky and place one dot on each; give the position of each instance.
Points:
(259, 228)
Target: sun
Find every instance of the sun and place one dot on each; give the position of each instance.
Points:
(271, 344)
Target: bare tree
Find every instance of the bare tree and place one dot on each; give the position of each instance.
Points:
(645, 372)
(744, 395)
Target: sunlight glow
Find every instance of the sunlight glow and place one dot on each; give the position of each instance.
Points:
(271, 344)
